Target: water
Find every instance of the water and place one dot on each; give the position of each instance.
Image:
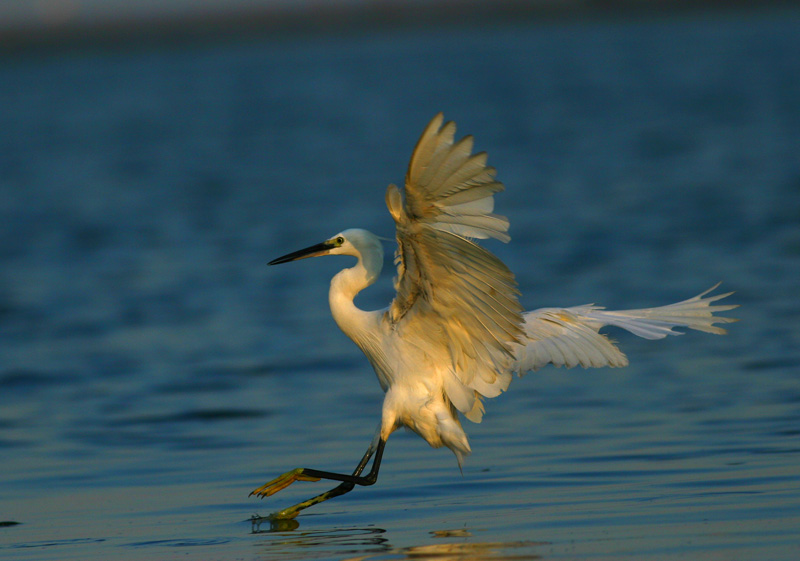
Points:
(153, 370)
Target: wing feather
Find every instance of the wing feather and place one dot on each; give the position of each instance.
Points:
(452, 294)
(453, 162)
(560, 337)
(570, 336)
(456, 299)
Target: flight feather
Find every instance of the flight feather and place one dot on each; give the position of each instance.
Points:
(451, 292)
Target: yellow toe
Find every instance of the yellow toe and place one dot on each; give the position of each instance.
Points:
(282, 482)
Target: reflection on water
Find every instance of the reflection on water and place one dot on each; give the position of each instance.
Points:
(319, 544)
(461, 533)
(261, 524)
(362, 544)
(471, 551)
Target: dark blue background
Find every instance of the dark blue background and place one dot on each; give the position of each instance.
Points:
(153, 370)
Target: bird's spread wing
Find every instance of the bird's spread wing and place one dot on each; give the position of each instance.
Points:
(452, 293)
(570, 336)
(563, 337)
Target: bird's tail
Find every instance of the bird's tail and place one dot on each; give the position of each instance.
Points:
(452, 435)
(656, 323)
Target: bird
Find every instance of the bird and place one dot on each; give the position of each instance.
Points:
(455, 332)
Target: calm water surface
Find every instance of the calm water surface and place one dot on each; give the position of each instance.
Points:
(153, 370)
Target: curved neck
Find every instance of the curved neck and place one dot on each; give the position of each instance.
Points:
(345, 285)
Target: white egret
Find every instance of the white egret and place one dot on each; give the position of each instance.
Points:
(455, 332)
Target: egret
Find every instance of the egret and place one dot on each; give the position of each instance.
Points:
(455, 332)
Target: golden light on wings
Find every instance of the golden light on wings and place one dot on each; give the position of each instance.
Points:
(451, 292)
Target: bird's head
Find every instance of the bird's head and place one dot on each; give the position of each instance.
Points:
(355, 242)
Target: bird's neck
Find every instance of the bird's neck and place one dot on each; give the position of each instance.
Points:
(345, 285)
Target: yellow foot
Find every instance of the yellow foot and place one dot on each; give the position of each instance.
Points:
(282, 482)
(275, 524)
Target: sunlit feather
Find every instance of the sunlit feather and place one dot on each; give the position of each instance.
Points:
(455, 332)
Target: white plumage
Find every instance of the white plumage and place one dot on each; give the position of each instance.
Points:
(570, 336)
(456, 332)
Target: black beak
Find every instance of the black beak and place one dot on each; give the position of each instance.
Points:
(313, 251)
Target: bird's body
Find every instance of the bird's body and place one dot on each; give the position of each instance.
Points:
(455, 333)
(411, 370)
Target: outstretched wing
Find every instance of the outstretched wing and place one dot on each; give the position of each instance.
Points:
(451, 293)
(570, 336)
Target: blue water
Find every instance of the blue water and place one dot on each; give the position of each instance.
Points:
(154, 370)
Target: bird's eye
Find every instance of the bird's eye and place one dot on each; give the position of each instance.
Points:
(340, 240)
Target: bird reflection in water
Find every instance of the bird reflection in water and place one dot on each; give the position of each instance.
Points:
(372, 544)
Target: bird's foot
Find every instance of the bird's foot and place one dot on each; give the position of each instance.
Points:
(277, 522)
(282, 482)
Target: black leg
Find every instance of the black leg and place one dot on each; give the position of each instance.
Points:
(355, 478)
(305, 474)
